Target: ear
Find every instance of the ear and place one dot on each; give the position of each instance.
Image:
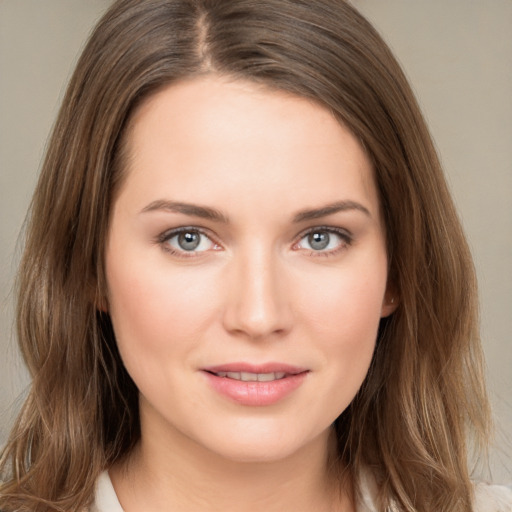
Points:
(390, 302)
(101, 304)
(97, 298)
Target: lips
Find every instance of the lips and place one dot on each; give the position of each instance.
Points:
(255, 385)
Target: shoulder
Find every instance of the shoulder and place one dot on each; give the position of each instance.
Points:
(492, 498)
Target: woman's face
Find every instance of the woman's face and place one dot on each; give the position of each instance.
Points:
(246, 268)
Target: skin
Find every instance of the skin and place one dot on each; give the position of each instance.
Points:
(254, 290)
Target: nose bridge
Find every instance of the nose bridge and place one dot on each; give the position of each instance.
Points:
(258, 304)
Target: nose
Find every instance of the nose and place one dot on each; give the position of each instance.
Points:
(258, 301)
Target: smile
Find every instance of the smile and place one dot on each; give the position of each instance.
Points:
(255, 385)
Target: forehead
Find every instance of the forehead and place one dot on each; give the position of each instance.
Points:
(217, 136)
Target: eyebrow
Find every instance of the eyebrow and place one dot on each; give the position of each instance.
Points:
(213, 214)
(330, 209)
(194, 210)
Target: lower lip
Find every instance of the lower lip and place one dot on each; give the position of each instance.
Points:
(256, 393)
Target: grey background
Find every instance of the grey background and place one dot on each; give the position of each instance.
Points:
(458, 56)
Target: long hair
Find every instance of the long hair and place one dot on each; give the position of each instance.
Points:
(423, 399)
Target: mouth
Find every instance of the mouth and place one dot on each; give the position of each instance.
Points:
(255, 385)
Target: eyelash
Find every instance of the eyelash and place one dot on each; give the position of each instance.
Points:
(345, 236)
(164, 238)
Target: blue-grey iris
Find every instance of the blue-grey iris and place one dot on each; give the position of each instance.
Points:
(189, 240)
(319, 240)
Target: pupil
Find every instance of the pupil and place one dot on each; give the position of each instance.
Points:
(188, 241)
(318, 241)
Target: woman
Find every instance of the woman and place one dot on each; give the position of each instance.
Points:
(244, 283)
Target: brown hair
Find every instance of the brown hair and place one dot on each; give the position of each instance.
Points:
(424, 394)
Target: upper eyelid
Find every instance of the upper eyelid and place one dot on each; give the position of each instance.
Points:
(330, 229)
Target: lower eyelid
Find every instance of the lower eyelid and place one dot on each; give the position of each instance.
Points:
(329, 253)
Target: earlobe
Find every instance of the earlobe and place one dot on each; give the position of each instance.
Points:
(390, 303)
(102, 306)
(98, 298)
(101, 302)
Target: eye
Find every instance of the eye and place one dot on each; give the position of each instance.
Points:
(324, 240)
(186, 240)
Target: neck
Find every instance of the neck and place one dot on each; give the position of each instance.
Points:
(169, 471)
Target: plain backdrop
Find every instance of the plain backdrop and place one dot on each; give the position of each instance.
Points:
(458, 56)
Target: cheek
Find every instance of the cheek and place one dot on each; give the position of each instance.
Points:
(154, 306)
(344, 301)
(342, 312)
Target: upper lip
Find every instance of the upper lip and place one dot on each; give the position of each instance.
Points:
(271, 367)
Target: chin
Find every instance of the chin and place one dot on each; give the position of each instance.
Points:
(258, 445)
(250, 453)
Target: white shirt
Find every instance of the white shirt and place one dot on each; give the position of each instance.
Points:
(105, 498)
(488, 498)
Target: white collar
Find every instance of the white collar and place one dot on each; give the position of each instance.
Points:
(105, 497)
